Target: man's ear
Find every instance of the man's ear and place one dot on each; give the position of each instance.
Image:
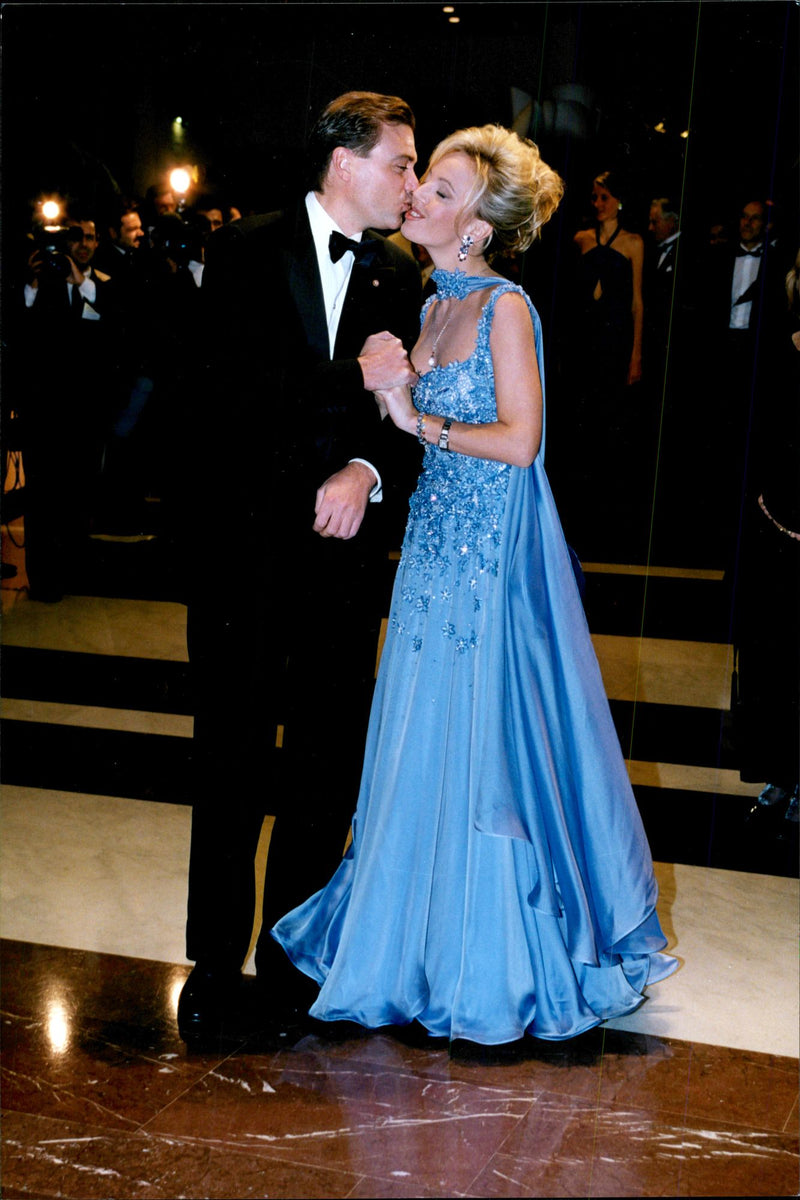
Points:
(340, 162)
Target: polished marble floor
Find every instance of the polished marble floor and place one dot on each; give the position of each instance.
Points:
(696, 1094)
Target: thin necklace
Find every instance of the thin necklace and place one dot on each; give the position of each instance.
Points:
(432, 359)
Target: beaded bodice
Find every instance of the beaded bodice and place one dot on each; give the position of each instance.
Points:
(454, 534)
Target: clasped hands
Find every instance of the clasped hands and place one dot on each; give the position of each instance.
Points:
(342, 500)
(391, 380)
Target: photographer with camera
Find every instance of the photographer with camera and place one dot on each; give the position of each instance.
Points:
(64, 392)
(126, 254)
(60, 269)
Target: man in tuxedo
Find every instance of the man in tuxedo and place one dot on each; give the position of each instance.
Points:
(118, 254)
(743, 292)
(79, 287)
(659, 283)
(307, 312)
(742, 304)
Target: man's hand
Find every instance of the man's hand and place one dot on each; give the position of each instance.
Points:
(36, 267)
(342, 501)
(76, 276)
(385, 364)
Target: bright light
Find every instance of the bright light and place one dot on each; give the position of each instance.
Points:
(454, 20)
(660, 127)
(685, 133)
(51, 210)
(175, 989)
(178, 121)
(58, 1031)
(180, 181)
(448, 8)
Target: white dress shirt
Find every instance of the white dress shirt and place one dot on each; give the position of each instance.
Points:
(335, 277)
(664, 249)
(745, 271)
(88, 289)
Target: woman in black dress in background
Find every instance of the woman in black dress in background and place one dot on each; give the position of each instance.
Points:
(610, 294)
(604, 363)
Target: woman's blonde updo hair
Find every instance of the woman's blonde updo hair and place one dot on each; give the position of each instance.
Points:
(514, 191)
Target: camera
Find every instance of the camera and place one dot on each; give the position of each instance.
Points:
(51, 242)
(177, 239)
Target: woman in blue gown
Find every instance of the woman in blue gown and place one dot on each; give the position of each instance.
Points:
(498, 881)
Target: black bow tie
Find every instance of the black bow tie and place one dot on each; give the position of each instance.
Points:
(742, 253)
(363, 251)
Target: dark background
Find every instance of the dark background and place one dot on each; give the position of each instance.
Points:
(91, 90)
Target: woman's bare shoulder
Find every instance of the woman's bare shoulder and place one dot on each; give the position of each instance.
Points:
(512, 316)
(629, 242)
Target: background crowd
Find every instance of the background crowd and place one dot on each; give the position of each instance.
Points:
(667, 351)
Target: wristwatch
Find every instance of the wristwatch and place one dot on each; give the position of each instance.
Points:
(444, 436)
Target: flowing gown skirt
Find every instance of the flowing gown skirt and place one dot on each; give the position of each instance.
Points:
(499, 880)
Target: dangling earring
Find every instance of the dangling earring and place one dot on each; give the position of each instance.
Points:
(463, 250)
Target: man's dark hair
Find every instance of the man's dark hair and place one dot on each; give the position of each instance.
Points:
(354, 120)
(119, 209)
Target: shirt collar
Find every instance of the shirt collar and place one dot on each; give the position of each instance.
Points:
(322, 226)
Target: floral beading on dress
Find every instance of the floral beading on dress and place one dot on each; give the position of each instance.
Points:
(454, 532)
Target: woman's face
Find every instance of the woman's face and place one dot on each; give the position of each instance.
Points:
(604, 204)
(431, 220)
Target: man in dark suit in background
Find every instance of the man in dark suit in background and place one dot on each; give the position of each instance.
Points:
(120, 253)
(743, 304)
(66, 354)
(659, 286)
(299, 476)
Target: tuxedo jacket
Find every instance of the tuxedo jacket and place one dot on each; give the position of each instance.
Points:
(53, 304)
(672, 320)
(658, 288)
(276, 414)
(65, 360)
(766, 291)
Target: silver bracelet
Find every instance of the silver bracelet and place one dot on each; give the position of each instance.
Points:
(444, 436)
(423, 441)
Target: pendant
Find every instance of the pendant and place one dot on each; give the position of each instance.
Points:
(431, 361)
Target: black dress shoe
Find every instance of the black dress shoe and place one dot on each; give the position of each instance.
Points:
(210, 1006)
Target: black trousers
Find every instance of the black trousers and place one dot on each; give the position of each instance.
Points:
(292, 644)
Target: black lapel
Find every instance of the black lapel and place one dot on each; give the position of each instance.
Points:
(365, 297)
(302, 276)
